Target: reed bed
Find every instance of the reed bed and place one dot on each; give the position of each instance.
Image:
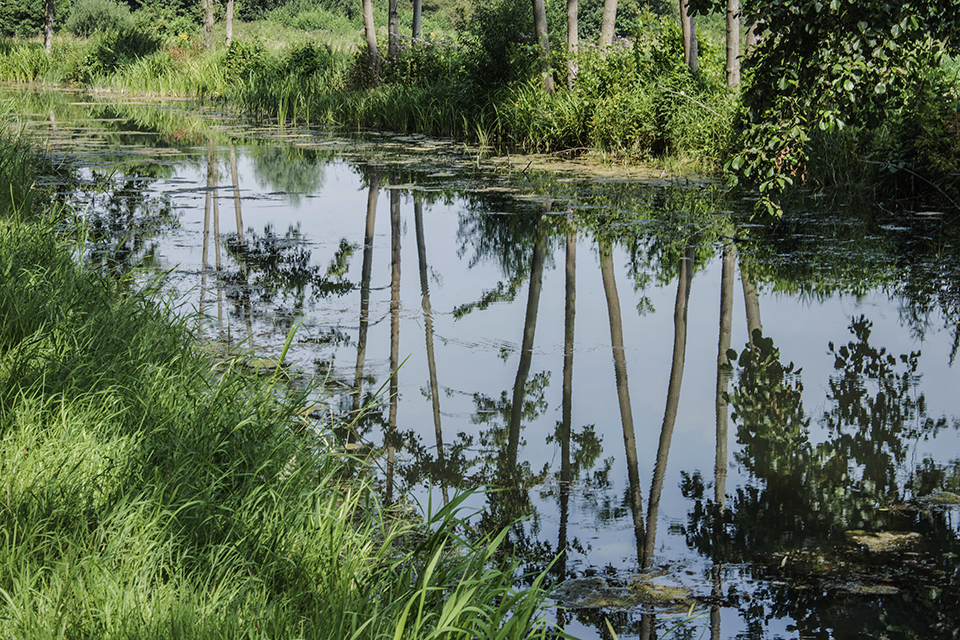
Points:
(146, 494)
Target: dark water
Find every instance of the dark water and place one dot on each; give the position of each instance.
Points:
(563, 341)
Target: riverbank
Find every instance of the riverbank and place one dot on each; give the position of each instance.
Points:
(148, 495)
(632, 102)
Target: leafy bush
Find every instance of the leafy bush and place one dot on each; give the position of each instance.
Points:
(245, 57)
(88, 17)
(167, 23)
(111, 51)
(422, 61)
(854, 65)
(492, 35)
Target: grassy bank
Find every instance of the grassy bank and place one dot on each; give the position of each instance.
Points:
(146, 495)
(635, 101)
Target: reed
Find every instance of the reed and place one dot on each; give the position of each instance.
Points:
(146, 494)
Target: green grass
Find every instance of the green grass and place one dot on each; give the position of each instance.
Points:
(144, 494)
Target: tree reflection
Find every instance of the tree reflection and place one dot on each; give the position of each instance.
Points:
(806, 491)
(121, 221)
(428, 335)
(623, 395)
(673, 401)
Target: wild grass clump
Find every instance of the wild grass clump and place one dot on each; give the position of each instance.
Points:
(25, 62)
(147, 494)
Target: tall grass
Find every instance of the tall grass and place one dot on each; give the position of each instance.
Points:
(146, 494)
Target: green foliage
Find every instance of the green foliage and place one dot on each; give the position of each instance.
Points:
(425, 60)
(25, 18)
(245, 58)
(153, 492)
(768, 410)
(168, 23)
(313, 15)
(23, 62)
(88, 17)
(108, 52)
(825, 67)
(492, 36)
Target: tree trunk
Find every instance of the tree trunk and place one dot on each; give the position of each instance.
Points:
(393, 29)
(394, 336)
(623, 393)
(48, 14)
(417, 13)
(526, 348)
(608, 22)
(689, 28)
(371, 33)
(428, 334)
(573, 41)
(208, 21)
(751, 40)
(733, 43)
(751, 300)
(365, 273)
(540, 29)
(673, 402)
(228, 22)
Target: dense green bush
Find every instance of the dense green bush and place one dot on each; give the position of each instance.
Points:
(245, 58)
(88, 17)
(167, 23)
(108, 52)
(492, 37)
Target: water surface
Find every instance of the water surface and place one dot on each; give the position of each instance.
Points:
(562, 340)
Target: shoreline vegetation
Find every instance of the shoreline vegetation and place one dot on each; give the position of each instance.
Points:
(148, 495)
(876, 116)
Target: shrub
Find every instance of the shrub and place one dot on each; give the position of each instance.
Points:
(88, 17)
(111, 51)
(245, 57)
(166, 23)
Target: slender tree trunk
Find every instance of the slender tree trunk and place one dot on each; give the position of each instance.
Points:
(727, 276)
(417, 14)
(566, 420)
(48, 14)
(751, 301)
(689, 29)
(365, 274)
(208, 21)
(394, 335)
(428, 334)
(526, 348)
(673, 402)
(608, 22)
(393, 30)
(235, 178)
(573, 41)
(540, 29)
(733, 43)
(623, 393)
(228, 22)
(370, 31)
(751, 40)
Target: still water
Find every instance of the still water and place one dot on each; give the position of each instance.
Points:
(561, 337)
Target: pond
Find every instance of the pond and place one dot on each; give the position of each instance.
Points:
(706, 424)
